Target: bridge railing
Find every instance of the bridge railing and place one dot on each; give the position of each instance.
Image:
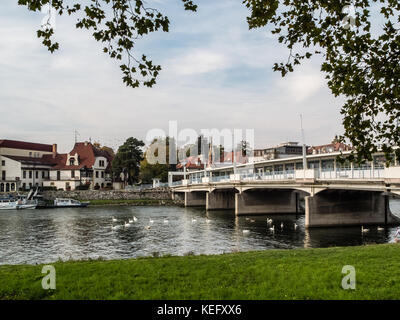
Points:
(349, 173)
(176, 183)
(220, 179)
(195, 181)
(317, 174)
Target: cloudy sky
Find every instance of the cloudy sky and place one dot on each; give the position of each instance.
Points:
(216, 74)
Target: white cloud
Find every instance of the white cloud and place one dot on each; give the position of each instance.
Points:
(302, 84)
(200, 62)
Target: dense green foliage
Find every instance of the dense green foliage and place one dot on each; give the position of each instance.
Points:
(273, 274)
(156, 162)
(127, 160)
(361, 60)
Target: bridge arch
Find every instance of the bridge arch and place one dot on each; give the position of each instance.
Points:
(349, 207)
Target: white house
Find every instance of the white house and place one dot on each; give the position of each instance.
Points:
(86, 165)
(24, 164)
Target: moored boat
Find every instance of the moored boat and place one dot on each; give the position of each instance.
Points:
(69, 203)
(16, 204)
(8, 203)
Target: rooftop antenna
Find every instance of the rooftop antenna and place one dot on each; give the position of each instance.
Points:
(304, 144)
(76, 134)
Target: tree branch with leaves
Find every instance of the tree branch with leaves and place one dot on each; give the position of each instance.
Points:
(360, 64)
(118, 24)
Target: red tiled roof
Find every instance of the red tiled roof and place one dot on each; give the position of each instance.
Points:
(87, 154)
(191, 163)
(26, 145)
(337, 146)
(45, 160)
(239, 158)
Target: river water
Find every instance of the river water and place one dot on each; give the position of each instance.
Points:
(41, 236)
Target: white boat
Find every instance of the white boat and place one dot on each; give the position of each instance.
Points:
(29, 204)
(69, 203)
(8, 204)
(13, 204)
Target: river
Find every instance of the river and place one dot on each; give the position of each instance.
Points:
(42, 236)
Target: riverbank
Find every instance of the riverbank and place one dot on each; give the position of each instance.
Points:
(134, 202)
(154, 194)
(272, 274)
(149, 197)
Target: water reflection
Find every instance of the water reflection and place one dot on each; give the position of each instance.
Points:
(40, 236)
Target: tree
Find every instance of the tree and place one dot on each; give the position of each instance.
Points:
(118, 24)
(148, 170)
(127, 160)
(109, 150)
(362, 65)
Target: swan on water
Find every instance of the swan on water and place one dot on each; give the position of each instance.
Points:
(364, 230)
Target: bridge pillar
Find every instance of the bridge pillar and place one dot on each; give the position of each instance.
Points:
(266, 202)
(220, 200)
(343, 207)
(195, 199)
(178, 196)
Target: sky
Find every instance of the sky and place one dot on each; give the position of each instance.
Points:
(216, 74)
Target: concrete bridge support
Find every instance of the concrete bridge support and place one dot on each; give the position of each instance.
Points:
(178, 196)
(266, 201)
(344, 207)
(195, 199)
(220, 200)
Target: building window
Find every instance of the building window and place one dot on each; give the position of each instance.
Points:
(43, 174)
(3, 162)
(30, 154)
(30, 174)
(37, 174)
(102, 174)
(97, 174)
(71, 162)
(3, 175)
(24, 186)
(24, 175)
(58, 175)
(72, 173)
(101, 163)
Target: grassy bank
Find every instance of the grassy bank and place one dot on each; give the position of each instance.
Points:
(132, 202)
(274, 274)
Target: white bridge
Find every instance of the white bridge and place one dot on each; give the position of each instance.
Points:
(333, 196)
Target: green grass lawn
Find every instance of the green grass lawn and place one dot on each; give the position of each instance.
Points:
(273, 274)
